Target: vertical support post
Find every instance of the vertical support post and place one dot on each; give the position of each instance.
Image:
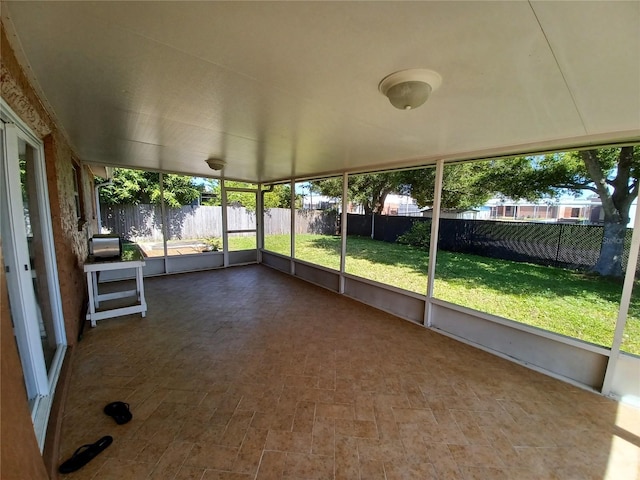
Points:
(627, 290)
(373, 226)
(343, 229)
(225, 227)
(433, 244)
(163, 212)
(292, 263)
(260, 222)
(96, 190)
(92, 294)
(98, 212)
(560, 232)
(96, 295)
(140, 289)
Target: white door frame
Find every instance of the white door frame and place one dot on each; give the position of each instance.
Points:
(39, 382)
(225, 218)
(23, 307)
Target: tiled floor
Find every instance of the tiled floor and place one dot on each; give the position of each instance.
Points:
(247, 373)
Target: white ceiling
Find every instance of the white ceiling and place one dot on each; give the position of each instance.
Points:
(290, 89)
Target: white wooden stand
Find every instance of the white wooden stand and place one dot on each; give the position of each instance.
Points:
(92, 267)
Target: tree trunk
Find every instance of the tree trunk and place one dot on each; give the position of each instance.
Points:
(610, 261)
(377, 205)
(615, 204)
(378, 201)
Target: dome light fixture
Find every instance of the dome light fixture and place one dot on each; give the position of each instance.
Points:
(215, 163)
(408, 89)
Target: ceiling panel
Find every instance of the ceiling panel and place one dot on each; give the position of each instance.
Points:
(281, 89)
(597, 45)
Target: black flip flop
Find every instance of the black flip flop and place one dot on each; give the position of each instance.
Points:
(119, 411)
(84, 455)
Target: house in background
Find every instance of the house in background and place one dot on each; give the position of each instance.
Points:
(567, 209)
(400, 205)
(563, 209)
(458, 213)
(394, 205)
(320, 202)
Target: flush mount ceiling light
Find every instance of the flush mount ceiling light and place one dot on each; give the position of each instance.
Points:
(408, 89)
(215, 163)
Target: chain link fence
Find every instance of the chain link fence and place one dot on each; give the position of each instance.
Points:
(553, 244)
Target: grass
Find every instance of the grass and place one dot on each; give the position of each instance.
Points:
(555, 299)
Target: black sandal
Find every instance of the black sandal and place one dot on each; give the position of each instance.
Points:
(119, 411)
(84, 455)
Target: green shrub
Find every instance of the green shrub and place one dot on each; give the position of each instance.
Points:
(419, 235)
(212, 244)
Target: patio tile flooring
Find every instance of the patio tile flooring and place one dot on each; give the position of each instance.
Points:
(247, 373)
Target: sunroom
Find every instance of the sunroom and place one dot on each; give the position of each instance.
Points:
(260, 107)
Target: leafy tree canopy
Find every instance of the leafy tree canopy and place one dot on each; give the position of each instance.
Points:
(368, 190)
(134, 187)
(464, 186)
(240, 199)
(280, 197)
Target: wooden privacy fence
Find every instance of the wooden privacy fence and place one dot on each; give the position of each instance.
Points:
(143, 223)
(278, 221)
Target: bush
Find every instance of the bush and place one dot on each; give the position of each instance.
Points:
(211, 244)
(419, 235)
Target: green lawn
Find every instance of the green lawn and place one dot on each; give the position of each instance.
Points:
(555, 299)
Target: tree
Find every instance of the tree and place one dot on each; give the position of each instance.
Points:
(241, 199)
(178, 190)
(615, 180)
(464, 186)
(234, 199)
(133, 187)
(211, 192)
(611, 173)
(280, 197)
(368, 190)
